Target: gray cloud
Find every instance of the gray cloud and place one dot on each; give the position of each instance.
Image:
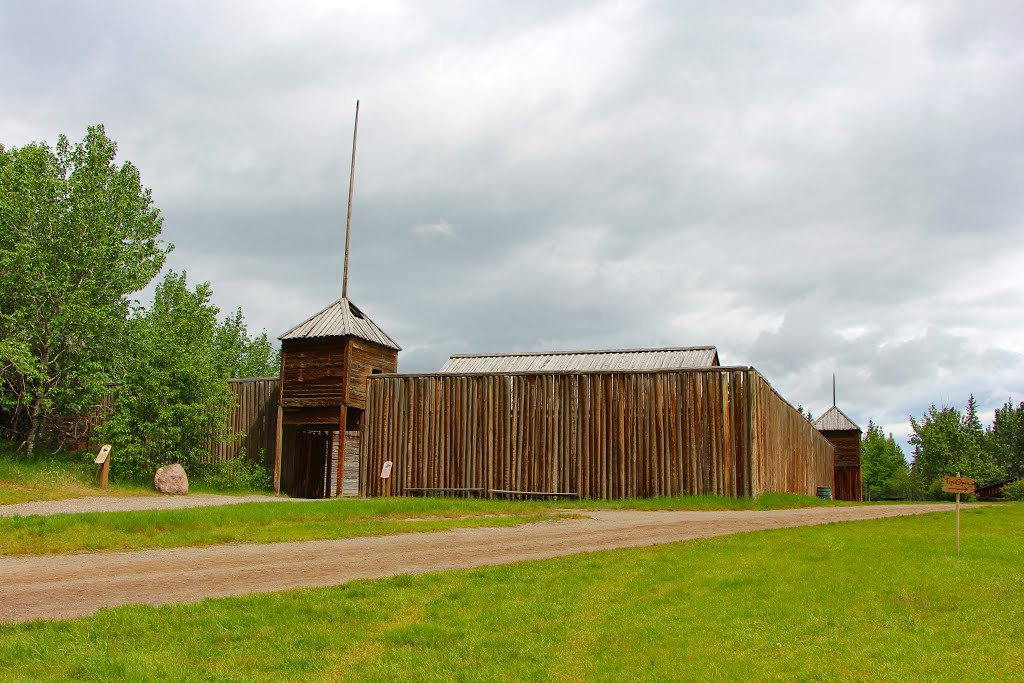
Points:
(814, 188)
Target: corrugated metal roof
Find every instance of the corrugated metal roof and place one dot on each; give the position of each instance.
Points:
(834, 420)
(341, 319)
(616, 359)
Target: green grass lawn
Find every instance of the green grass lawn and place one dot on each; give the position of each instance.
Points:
(877, 600)
(255, 523)
(337, 518)
(768, 501)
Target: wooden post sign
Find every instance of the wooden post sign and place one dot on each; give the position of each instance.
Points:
(958, 485)
(103, 459)
(385, 474)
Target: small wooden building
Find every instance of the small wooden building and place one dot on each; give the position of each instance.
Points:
(845, 436)
(326, 361)
(994, 490)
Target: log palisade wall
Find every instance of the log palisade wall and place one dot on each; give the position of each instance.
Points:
(254, 417)
(789, 454)
(602, 435)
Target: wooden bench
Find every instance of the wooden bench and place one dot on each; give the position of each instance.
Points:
(442, 491)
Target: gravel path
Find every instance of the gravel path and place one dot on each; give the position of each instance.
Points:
(122, 504)
(65, 586)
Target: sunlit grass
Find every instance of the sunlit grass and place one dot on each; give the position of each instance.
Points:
(255, 523)
(863, 601)
(53, 476)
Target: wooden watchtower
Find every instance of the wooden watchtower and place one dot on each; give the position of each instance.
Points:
(325, 363)
(845, 436)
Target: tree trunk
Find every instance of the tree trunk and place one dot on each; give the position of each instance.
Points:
(33, 429)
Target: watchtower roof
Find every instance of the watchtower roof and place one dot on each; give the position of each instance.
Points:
(341, 319)
(835, 420)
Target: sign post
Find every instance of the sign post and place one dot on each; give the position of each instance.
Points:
(958, 485)
(103, 459)
(385, 474)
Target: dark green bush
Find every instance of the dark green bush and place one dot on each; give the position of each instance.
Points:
(1014, 490)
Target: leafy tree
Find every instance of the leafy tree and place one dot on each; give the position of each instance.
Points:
(78, 234)
(238, 355)
(1005, 439)
(172, 400)
(882, 461)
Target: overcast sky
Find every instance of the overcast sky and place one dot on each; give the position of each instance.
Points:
(813, 187)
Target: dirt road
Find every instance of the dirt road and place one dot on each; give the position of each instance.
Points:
(64, 586)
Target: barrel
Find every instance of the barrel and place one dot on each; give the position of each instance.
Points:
(825, 493)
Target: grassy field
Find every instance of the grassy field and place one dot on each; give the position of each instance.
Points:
(768, 501)
(329, 519)
(255, 523)
(878, 600)
(54, 476)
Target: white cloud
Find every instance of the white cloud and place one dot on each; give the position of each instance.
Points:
(438, 229)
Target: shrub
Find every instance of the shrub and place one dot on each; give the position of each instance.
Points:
(1014, 490)
(238, 474)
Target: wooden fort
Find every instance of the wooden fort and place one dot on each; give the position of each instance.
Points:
(326, 361)
(845, 437)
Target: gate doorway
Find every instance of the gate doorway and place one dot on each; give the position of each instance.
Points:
(306, 465)
(309, 464)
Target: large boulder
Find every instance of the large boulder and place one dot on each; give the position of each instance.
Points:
(171, 479)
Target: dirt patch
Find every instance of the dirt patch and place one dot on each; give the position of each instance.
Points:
(66, 586)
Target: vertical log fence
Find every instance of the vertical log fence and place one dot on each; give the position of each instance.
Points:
(611, 434)
(254, 418)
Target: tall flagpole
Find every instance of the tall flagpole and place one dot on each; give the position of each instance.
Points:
(348, 219)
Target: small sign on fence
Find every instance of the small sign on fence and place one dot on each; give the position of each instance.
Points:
(385, 474)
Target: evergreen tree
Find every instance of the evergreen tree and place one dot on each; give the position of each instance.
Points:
(1004, 440)
(946, 442)
(883, 465)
